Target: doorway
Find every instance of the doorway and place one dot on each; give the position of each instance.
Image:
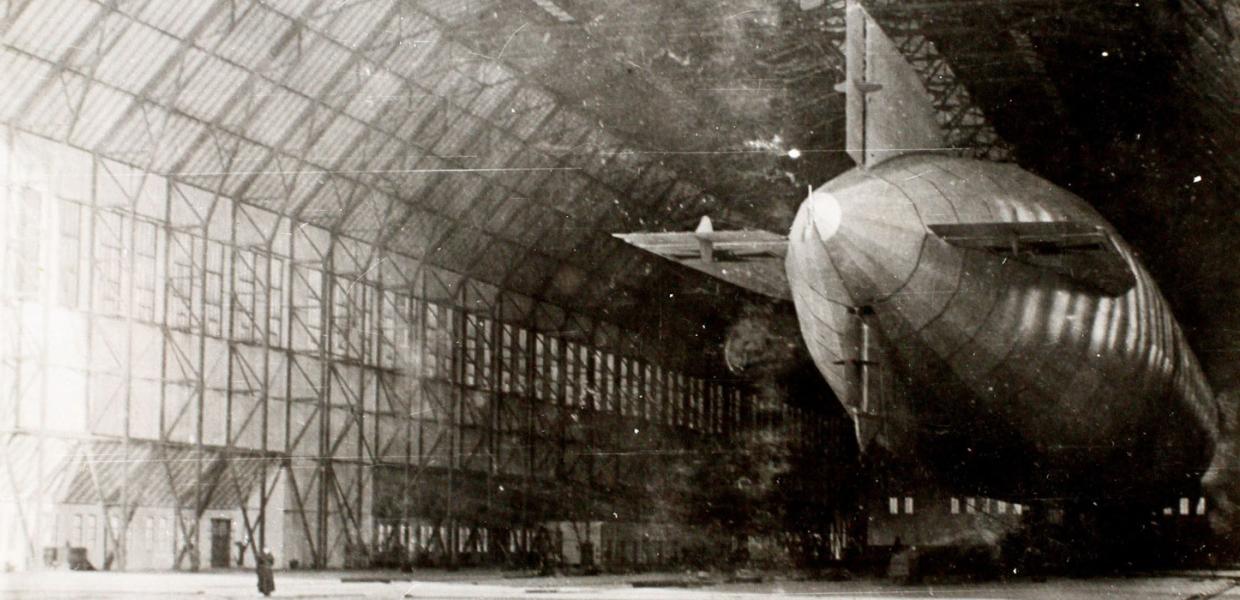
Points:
(221, 542)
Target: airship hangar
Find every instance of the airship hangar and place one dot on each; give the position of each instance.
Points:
(602, 283)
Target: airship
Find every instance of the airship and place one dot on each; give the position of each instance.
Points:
(971, 316)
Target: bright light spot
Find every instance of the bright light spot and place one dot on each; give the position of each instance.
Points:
(1197, 179)
(794, 154)
(636, 430)
(825, 214)
(1104, 53)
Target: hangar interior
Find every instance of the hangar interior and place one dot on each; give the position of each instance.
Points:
(338, 278)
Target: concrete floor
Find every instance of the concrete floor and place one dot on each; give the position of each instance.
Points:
(494, 585)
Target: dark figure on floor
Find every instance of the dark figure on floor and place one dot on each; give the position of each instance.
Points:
(264, 563)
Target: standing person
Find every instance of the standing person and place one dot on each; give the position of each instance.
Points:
(241, 550)
(263, 565)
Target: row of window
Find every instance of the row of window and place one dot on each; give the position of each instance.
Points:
(1187, 508)
(376, 326)
(971, 505)
(968, 505)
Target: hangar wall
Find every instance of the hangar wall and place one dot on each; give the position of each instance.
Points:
(179, 369)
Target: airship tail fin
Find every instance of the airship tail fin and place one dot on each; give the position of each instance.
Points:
(749, 258)
(1082, 252)
(888, 111)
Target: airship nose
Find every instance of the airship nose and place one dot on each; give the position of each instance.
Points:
(870, 232)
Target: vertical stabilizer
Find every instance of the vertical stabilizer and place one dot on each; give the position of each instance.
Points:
(888, 110)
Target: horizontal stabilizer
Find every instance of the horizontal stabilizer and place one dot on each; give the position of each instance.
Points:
(1080, 251)
(751, 259)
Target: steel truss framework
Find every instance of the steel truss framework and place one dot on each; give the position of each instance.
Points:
(968, 130)
(337, 400)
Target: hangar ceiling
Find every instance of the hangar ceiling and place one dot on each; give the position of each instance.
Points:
(507, 138)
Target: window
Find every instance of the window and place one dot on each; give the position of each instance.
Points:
(306, 312)
(245, 316)
(955, 506)
(697, 404)
(583, 376)
(70, 253)
(602, 380)
(652, 393)
(183, 284)
(275, 301)
(1201, 506)
(348, 315)
(146, 247)
(515, 358)
(893, 505)
(970, 505)
(554, 360)
(109, 261)
(572, 395)
(540, 366)
(1184, 506)
(259, 297)
(622, 375)
(639, 388)
(1002, 507)
(518, 355)
(430, 345)
(508, 344)
(471, 350)
(486, 362)
(214, 298)
(477, 351)
(26, 243)
(392, 327)
(908, 505)
(675, 398)
(1017, 509)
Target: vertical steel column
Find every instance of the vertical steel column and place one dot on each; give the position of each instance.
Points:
(424, 372)
(199, 508)
(290, 300)
(43, 297)
(562, 416)
(264, 442)
(410, 541)
(376, 346)
(163, 366)
(92, 315)
(327, 324)
(230, 355)
(592, 416)
(456, 374)
(642, 370)
(533, 380)
(369, 338)
(494, 334)
(123, 551)
(29, 526)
